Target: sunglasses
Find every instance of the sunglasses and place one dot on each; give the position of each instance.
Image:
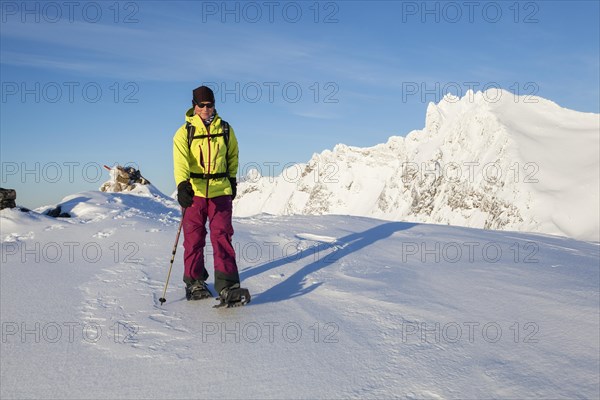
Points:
(209, 105)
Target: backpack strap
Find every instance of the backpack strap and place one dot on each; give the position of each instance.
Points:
(219, 175)
(225, 128)
(191, 130)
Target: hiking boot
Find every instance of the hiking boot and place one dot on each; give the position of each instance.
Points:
(197, 291)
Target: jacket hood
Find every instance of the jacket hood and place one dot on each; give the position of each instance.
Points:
(189, 113)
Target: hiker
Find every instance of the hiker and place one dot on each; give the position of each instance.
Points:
(205, 158)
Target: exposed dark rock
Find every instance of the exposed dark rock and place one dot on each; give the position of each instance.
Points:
(7, 198)
(57, 213)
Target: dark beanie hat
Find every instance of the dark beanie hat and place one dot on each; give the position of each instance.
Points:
(203, 94)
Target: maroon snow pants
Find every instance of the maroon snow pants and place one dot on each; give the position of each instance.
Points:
(218, 211)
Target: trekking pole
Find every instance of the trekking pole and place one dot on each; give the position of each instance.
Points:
(162, 299)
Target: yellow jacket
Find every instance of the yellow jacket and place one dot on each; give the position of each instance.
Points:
(207, 155)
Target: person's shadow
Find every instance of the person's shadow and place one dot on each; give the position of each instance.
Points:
(324, 254)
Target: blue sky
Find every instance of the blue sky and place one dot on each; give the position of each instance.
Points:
(95, 83)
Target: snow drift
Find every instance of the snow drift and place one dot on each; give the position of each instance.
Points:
(488, 160)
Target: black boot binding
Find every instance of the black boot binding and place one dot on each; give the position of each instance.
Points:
(233, 296)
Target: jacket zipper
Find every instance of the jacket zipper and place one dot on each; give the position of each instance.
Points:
(209, 158)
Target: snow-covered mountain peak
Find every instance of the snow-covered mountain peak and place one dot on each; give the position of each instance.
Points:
(487, 160)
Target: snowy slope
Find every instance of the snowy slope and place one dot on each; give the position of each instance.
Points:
(488, 160)
(343, 307)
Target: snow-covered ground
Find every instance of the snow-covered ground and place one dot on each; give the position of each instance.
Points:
(489, 160)
(343, 307)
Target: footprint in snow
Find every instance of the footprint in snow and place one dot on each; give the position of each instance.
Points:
(104, 234)
(424, 394)
(53, 227)
(17, 237)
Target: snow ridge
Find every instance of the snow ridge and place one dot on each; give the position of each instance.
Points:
(487, 160)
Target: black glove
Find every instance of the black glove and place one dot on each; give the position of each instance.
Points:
(233, 183)
(185, 194)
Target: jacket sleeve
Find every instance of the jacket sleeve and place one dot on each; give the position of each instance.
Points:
(232, 154)
(181, 153)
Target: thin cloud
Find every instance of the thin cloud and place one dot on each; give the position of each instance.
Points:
(116, 51)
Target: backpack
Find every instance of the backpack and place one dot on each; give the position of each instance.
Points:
(191, 130)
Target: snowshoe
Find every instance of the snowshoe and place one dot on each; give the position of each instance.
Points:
(197, 291)
(233, 296)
